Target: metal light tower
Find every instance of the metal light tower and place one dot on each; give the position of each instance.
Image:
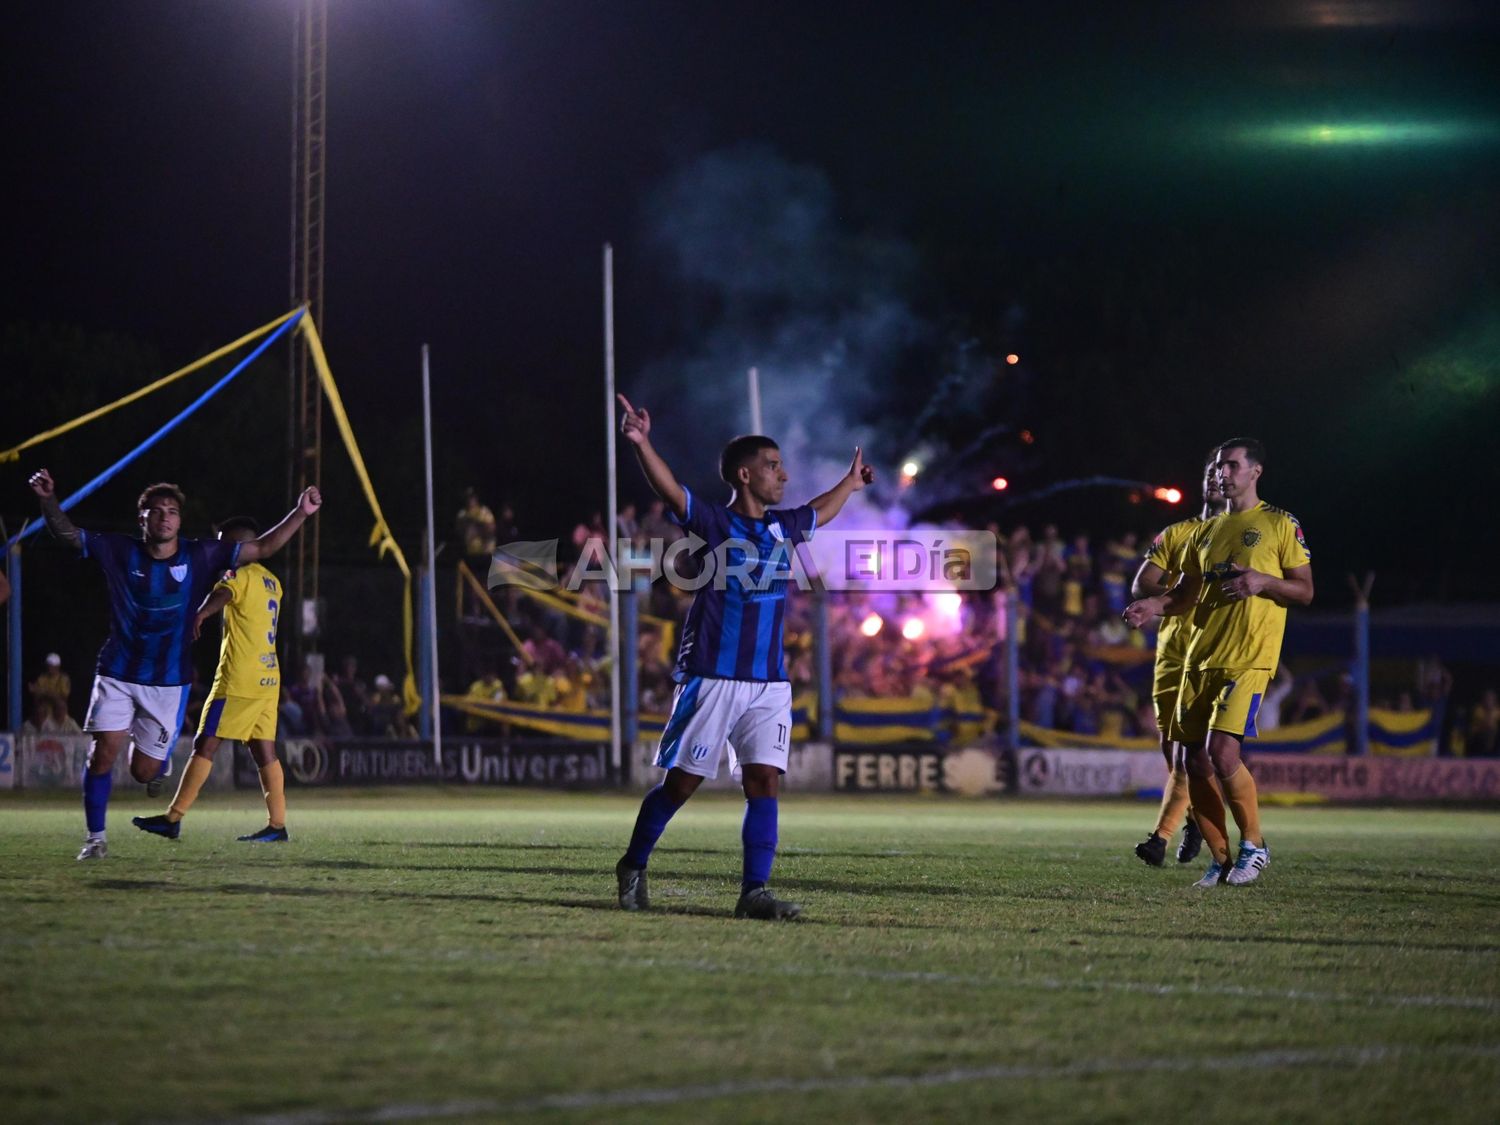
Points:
(304, 392)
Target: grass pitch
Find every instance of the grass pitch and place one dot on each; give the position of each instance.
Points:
(458, 955)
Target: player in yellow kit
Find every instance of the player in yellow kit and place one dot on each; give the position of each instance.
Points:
(1160, 570)
(1244, 568)
(242, 702)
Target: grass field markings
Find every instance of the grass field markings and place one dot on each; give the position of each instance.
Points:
(1348, 1056)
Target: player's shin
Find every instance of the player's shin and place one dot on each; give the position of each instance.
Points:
(1174, 804)
(273, 788)
(758, 834)
(1244, 803)
(657, 809)
(1208, 807)
(96, 790)
(193, 777)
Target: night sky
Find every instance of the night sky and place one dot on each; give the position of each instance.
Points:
(1189, 220)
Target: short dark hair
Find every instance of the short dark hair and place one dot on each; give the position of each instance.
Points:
(1255, 452)
(160, 488)
(739, 451)
(238, 523)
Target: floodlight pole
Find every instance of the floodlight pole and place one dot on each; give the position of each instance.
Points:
(612, 528)
(435, 704)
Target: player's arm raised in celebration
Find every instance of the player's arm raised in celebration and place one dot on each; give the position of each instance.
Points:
(1295, 587)
(635, 425)
(217, 599)
(1178, 600)
(57, 519)
(275, 539)
(830, 503)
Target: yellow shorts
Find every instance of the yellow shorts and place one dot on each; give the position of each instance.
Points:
(239, 717)
(1220, 699)
(1166, 684)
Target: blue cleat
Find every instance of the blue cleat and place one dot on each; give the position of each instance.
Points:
(266, 835)
(158, 826)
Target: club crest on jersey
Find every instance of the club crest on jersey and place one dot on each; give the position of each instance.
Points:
(1251, 537)
(178, 572)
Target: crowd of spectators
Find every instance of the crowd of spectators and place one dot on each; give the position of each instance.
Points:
(1080, 669)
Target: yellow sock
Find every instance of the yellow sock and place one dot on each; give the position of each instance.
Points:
(1244, 802)
(193, 777)
(1174, 802)
(1208, 807)
(273, 786)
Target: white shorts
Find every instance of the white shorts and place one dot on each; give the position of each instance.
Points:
(152, 715)
(750, 719)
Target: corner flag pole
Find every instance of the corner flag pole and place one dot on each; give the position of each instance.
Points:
(612, 528)
(432, 660)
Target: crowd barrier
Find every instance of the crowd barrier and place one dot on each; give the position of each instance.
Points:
(56, 761)
(1408, 734)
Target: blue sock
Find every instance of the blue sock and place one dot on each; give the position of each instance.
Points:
(758, 834)
(96, 787)
(650, 823)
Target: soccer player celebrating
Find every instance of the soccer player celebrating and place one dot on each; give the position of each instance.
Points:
(155, 582)
(242, 702)
(1158, 573)
(1241, 572)
(731, 676)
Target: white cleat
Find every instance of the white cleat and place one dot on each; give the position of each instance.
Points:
(1249, 864)
(1212, 877)
(94, 849)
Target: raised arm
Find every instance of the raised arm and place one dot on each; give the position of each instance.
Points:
(275, 539)
(57, 519)
(635, 425)
(217, 599)
(830, 503)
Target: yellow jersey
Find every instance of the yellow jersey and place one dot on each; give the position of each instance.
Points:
(247, 654)
(1167, 551)
(1246, 634)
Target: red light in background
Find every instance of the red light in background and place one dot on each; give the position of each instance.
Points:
(1027, 437)
(999, 484)
(1170, 495)
(1013, 359)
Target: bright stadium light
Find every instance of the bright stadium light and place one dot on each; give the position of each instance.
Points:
(910, 469)
(1170, 495)
(999, 484)
(871, 625)
(913, 628)
(949, 604)
(1013, 359)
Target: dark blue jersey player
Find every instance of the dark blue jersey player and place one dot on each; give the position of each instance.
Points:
(156, 584)
(732, 691)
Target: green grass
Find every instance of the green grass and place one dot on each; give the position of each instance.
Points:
(459, 954)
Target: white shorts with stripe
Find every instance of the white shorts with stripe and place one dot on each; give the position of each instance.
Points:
(152, 714)
(749, 719)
